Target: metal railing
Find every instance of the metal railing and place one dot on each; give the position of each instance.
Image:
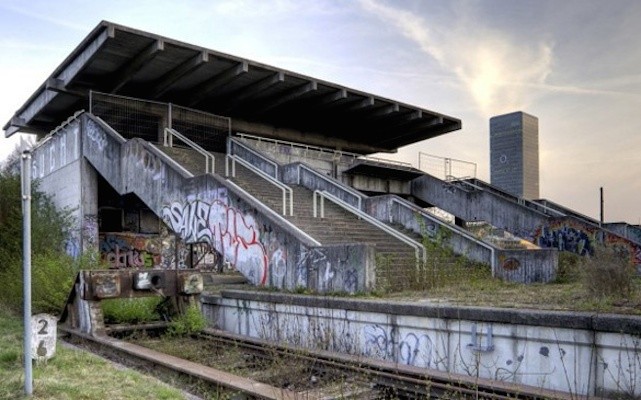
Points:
(460, 232)
(333, 183)
(519, 200)
(286, 190)
(267, 210)
(419, 249)
(333, 153)
(254, 152)
(168, 141)
(445, 168)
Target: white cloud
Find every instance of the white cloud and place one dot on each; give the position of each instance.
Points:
(493, 69)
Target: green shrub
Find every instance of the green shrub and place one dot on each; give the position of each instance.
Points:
(131, 311)
(52, 271)
(52, 276)
(191, 322)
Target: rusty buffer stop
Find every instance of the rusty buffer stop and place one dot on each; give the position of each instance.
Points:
(83, 312)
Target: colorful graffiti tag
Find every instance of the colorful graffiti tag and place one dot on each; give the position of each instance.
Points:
(569, 235)
(231, 233)
(126, 250)
(565, 237)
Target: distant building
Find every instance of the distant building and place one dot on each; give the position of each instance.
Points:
(514, 154)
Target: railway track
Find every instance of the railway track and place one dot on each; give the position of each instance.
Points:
(264, 370)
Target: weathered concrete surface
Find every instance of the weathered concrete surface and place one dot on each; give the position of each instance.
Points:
(301, 174)
(478, 205)
(207, 208)
(524, 266)
(581, 353)
(565, 233)
(630, 232)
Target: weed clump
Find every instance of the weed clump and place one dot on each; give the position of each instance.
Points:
(608, 274)
(189, 323)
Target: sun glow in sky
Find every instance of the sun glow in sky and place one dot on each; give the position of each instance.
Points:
(574, 64)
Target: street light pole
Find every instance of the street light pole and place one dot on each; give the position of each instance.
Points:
(26, 262)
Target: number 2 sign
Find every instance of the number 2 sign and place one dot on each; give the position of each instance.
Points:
(43, 336)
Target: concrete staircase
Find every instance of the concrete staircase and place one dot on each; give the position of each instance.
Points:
(396, 261)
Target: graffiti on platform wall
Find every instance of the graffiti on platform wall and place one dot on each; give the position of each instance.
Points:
(410, 349)
(128, 250)
(233, 234)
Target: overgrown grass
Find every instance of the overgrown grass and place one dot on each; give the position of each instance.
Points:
(71, 374)
(602, 283)
(131, 311)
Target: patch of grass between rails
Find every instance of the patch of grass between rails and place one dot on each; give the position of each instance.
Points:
(71, 374)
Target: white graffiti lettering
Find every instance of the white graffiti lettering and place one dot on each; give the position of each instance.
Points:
(234, 235)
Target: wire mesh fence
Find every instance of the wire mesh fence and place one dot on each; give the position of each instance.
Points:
(208, 130)
(446, 168)
(147, 120)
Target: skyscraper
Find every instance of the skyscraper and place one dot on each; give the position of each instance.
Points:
(514, 154)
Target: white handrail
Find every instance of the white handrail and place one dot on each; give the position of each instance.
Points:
(419, 249)
(313, 242)
(284, 188)
(254, 152)
(335, 153)
(460, 232)
(331, 181)
(168, 141)
(521, 201)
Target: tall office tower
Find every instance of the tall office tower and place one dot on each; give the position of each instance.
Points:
(514, 154)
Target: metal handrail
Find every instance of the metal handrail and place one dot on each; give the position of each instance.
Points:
(284, 188)
(331, 181)
(312, 241)
(520, 201)
(168, 141)
(257, 154)
(295, 144)
(460, 232)
(335, 153)
(419, 249)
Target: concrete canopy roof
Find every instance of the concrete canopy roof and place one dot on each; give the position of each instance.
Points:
(120, 60)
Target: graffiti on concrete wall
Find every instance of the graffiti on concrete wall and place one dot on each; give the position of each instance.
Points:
(569, 235)
(58, 151)
(626, 248)
(128, 250)
(90, 233)
(233, 234)
(566, 236)
(410, 349)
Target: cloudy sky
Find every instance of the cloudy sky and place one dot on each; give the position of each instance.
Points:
(575, 64)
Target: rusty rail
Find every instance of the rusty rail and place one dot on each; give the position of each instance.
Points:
(383, 377)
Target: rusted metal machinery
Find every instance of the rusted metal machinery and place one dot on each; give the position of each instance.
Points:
(84, 314)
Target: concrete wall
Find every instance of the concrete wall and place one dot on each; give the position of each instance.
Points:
(58, 168)
(376, 184)
(563, 233)
(524, 266)
(301, 174)
(394, 210)
(580, 353)
(257, 241)
(477, 205)
(630, 232)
